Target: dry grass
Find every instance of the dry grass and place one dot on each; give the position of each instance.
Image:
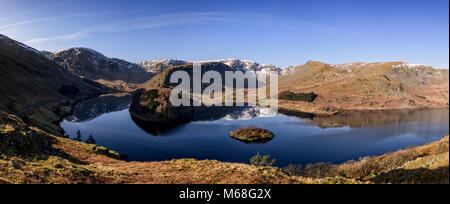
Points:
(414, 165)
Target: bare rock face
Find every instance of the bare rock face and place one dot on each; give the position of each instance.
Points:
(95, 66)
(17, 138)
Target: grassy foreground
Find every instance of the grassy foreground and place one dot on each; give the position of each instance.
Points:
(29, 155)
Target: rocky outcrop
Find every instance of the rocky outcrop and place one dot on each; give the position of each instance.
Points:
(152, 102)
(17, 138)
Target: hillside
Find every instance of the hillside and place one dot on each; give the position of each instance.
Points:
(427, 164)
(38, 88)
(391, 85)
(93, 65)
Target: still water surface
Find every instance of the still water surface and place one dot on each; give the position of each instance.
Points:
(300, 138)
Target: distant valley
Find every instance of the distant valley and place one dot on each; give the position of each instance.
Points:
(362, 86)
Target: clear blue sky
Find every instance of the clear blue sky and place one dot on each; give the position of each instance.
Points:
(271, 32)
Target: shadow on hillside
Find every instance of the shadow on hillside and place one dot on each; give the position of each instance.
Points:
(414, 176)
(32, 145)
(45, 149)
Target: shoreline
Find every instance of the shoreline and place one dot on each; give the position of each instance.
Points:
(315, 110)
(100, 165)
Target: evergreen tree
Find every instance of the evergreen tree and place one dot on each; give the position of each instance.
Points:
(78, 138)
(90, 140)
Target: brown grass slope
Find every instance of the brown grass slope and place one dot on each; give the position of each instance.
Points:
(391, 85)
(427, 164)
(28, 78)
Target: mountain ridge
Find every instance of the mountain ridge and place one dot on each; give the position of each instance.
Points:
(38, 88)
(94, 65)
(158, 66)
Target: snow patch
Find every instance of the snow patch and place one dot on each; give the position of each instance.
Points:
(252, 112)
(14, 43)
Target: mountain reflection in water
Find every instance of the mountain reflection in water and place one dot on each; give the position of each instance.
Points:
(300, 138)
(90, 109)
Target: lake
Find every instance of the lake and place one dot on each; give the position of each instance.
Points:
(299, 138)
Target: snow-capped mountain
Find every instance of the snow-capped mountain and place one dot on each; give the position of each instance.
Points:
(287, 70)
(47, 54)
(157, 66)
(247, 65)
(94, 65)
(251, 112)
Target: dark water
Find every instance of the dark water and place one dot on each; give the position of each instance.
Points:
(300, 138)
